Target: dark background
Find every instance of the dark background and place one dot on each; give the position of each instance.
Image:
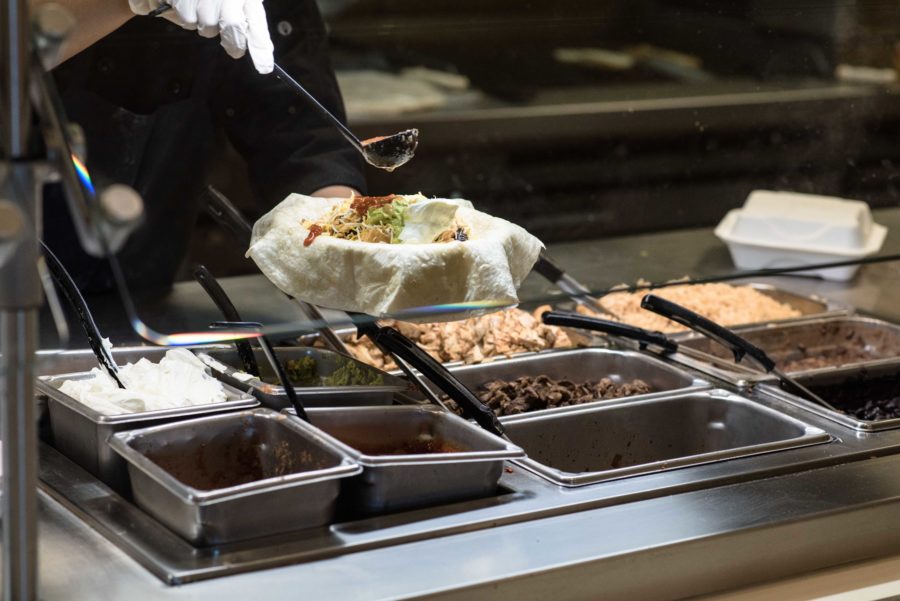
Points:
(572, 152)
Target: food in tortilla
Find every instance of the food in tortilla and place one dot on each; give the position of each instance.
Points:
(383, 218)
(382, 255)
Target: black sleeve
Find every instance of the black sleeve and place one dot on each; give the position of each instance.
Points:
(287, 145)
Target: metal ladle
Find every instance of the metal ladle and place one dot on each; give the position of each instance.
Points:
(384, 152)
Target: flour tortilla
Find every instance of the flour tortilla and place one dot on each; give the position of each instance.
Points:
(382, 279)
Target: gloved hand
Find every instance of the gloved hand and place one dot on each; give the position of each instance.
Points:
(241, 24)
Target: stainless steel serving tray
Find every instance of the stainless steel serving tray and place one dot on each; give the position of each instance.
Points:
(80, 432)
(591, 444)
(225, 364)
(786, 341)
(835, 376)
(282, 502)
(584, 364)
(394, 482)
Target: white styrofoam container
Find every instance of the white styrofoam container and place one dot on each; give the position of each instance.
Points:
(787, 229)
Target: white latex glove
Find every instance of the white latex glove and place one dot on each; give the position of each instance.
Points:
(240, 24)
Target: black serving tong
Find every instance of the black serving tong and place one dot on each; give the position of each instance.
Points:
(393, 343)
(738, 345)
(76, 300)
(643, 336)
(233, 320)
(228, 310)
(595, 324)
(230, 217)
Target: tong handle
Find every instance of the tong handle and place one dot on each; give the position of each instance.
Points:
(227, 215)
(595, 324)
(269, 352)
(739, 346)
(70, 290)
(395, 343)
(229, 311)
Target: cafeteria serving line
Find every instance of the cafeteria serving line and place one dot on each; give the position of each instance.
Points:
(611, 315)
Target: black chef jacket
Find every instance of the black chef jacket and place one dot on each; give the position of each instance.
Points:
(152, 97)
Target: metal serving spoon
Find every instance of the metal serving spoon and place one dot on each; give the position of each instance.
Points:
(384, 152)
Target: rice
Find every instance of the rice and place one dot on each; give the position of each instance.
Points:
(722, 303)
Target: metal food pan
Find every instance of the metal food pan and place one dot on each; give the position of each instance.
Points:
(359, 384)
(606, 442)
(80, 432)
(580, 365)
(393, 481)
(188, 475)
(854, 377)
(859, 340)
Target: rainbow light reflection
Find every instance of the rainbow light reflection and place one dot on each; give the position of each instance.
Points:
(451, 308)
(189, 338)
(83, 174)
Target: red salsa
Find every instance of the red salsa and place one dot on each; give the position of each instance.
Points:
(314, 231)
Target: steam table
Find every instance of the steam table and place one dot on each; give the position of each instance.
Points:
(692, 542)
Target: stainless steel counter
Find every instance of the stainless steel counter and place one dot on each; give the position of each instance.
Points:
(657, 536)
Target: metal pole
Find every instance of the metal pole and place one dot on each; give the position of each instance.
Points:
(15, 107)
(18, 335)
(19, 299)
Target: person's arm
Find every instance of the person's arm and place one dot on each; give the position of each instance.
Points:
(241, 23)
(335, 192)
(95, 19)
(288, 146)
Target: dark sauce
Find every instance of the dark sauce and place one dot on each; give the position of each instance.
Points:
(418, 446)
(234, 460)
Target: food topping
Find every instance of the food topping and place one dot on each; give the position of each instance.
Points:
(866, 398)
(314, 231)
(533, 393)
(363, 204)
(473, 340)
(382, 219)
(178, 380)
(723, 303)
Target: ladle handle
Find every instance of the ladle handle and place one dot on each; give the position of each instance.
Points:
(739, 346)
(594, 324)
(390, 340)
(228, 310)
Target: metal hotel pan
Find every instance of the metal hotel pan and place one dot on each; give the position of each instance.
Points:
(605, 442)
(300, 471)
(392, 482)
(878, 340)
(580, 365)
(852, 376)
(225, 364)
(81, 433)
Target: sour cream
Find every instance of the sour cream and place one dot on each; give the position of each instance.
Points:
(178, 380)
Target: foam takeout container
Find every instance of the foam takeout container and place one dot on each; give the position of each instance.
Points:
(787, 229)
